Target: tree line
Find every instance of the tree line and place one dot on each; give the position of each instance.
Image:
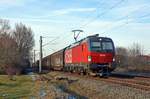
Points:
(132, 58)
(15, 47)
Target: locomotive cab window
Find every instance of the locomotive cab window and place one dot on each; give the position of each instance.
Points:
(96, 46)
(102, 46)
(107, 46)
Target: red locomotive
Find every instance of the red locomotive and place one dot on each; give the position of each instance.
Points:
(92, 54)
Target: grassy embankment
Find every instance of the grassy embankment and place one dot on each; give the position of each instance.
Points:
(22, 87)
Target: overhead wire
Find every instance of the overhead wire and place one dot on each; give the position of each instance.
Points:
(128, 21)
(97, 9)
(50, 42)
(115, 5)
(102, 14)
(60, 37)
(99, 15)
(64, 37)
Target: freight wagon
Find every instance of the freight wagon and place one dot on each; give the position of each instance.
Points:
(92, 54)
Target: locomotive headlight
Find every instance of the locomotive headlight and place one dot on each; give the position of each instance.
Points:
(114, 59)
(89, 58)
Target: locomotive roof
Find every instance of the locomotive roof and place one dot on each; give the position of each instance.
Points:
(94, 37)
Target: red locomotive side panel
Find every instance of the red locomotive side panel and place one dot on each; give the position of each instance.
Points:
(85, 51)
(77, 54)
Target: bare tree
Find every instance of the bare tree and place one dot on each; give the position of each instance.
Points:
(136, 59)
(136, 50)
(122, 56)
(8, 55)
(25, 41)
(132, 58)
(4, 26)
(15, 47)
(8, 50)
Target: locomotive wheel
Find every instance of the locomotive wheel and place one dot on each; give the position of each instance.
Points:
(85, 72)
(81, 72)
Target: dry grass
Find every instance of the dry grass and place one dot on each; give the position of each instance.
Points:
(21, 87)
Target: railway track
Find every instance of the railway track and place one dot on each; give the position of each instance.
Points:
(142, 83)
(135, 82)
(142, 78)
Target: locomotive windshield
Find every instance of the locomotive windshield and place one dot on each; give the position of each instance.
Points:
(107, 45)
(102, 46)
(96, 46)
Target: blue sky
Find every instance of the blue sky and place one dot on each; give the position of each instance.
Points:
(125, 21)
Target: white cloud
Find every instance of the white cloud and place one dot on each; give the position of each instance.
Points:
(32, 19)
(8, 3)
(71, 10)
(45, 17)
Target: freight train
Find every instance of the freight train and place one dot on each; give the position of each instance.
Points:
(91, 55)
